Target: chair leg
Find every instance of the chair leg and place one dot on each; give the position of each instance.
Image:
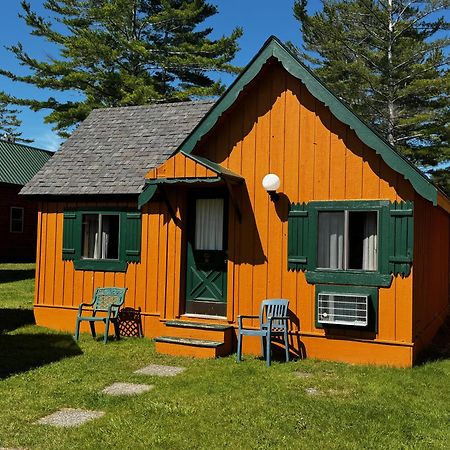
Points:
(105, 337)
(92, 325)
(116, 329)
(77, 330)
(239, 348)
(263, 347)
(268, 342)
(286, 345)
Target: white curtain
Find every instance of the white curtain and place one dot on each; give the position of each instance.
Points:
(105, 237)
(91, 242)
(330, 253)
(209, 224)
(370, 242)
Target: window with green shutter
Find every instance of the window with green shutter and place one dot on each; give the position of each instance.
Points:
(351, 242)
(102, 240)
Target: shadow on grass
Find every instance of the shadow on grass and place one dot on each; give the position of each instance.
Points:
(10, 319)
(9, 275)
(22, 352)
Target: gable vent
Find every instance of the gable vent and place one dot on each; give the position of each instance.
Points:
(343, 309)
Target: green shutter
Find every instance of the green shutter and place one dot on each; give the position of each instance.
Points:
(298, 237)
(71, 236)
(132, 236)
(401, 238)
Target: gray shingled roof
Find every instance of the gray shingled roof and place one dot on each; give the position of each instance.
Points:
(113, 149)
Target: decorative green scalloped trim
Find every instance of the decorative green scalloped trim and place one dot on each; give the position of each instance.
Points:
(274, 48)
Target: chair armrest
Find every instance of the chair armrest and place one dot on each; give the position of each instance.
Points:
(270, 318)
(243, 316)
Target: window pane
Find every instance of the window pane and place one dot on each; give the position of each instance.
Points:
(330, 251)
(209, 224)
(91, 239)
(110, 237)
(363, 240)
(16, 220)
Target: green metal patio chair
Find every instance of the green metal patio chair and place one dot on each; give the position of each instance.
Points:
(273, 321)
(106, 302)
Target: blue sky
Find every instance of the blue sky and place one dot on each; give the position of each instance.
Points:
(259, 19)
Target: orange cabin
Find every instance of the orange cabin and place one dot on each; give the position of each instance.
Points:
(167, 200)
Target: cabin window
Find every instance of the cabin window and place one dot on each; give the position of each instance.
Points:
(16, 219)
(347, 240)
(351, 242)
(102, 240)
(100, 234)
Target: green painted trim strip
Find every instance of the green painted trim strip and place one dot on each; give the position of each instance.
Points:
(100, 265)
(217, 168)
(274, 48)
(348, 278)
(183, 180)
(146, 195)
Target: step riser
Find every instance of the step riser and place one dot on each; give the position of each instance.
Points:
(192, 333)
(167, 348)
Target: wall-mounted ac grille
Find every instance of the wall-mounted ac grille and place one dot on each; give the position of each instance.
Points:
(343, 309)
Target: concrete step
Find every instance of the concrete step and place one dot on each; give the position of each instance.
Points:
(202, 331)
(198, 348)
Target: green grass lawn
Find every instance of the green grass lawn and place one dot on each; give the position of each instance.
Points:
(215, 404)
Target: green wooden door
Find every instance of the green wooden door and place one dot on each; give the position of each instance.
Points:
(206, 278)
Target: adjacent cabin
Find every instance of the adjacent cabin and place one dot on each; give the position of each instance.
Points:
(167, 200)
(18, 215)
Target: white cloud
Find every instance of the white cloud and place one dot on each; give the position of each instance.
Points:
(48, 141)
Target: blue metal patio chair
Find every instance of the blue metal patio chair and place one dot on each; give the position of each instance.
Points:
(106, 302)
(273, 321)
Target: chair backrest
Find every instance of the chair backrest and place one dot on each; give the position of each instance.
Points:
(104, 297)
(271, 308)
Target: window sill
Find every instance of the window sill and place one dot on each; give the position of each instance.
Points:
(100, 265)
(348, 278)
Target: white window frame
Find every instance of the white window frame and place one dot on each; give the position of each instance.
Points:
(11, 220)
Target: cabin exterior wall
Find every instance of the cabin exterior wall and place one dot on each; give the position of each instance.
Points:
(276, 126)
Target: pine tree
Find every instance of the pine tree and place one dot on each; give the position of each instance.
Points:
(9, 123)
(388, 59)
(122, 52)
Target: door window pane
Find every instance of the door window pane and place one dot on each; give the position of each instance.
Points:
(209, 224)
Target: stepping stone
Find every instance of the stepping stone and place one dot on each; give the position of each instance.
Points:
(69, 417)
(127, 388)
(160, 371)
(312, 391)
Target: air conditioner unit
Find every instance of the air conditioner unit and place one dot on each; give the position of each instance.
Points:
(343, 309)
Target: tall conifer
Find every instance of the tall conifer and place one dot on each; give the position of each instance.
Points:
(122, 52)
(389, 60)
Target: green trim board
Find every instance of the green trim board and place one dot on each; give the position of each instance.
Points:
(372, 292)
(273, 48)
(129, 240)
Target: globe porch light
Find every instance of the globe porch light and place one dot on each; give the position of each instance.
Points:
(271, 182)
